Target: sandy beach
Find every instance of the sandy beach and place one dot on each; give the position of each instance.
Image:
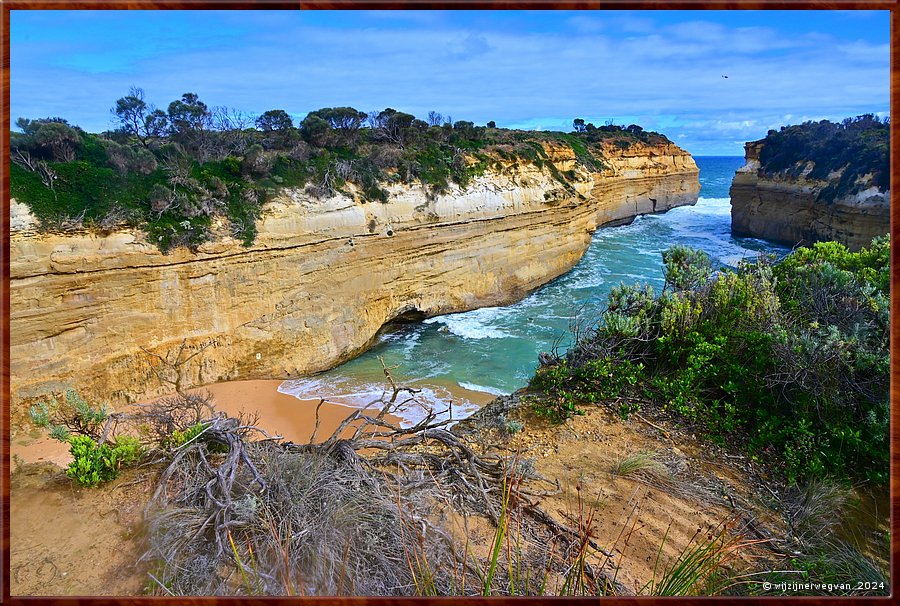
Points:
(279, 414)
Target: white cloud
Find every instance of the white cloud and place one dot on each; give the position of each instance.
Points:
(602, 66)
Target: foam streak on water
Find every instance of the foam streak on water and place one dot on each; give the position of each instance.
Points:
(495, 349)
(347, 391)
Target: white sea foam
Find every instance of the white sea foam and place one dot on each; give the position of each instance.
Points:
(590, 281)
(349, 392)
(709, 222)
(476, 324)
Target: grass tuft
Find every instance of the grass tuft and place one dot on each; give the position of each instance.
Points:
(645, 463)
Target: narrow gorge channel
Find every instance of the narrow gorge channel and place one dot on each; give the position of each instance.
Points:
(468, 358)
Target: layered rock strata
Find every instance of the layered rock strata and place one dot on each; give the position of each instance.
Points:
(322, 278)
(789, 210)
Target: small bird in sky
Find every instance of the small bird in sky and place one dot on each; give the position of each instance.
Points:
(724, 76)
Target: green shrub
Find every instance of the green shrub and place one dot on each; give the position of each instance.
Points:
(81, 425)
(92, 463)
(567, 387)
(686, 267)
(73, 415)
(790, 360)
(40, 414)
(513, 427)
(127, 451)
(559, 403)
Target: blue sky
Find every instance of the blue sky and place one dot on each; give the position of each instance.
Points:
(523, 69)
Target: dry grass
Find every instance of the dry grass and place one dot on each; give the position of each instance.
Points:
(646, 464)
(320, 527)
(812, 511)
(235, 516)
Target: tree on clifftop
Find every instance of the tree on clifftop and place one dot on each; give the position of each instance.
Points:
(343, 121)
(59, 140)
(138, 118)
(278, 127)
(188, 114)
(274, 120)
(190, 123)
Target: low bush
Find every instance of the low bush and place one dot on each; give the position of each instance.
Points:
(97, 453)
(789, 359)
(93, 464)
(840, 153)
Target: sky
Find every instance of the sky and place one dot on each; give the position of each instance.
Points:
(662, 70)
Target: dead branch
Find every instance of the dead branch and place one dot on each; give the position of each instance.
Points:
(176, 365)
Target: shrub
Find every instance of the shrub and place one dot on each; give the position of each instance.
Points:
(513, 427)
(92, 463)
(180, 438)
(74, 415)
(568, 387)
(851, 149)
(789, 359)
(83, 425)
(127, 451)
(686, 267)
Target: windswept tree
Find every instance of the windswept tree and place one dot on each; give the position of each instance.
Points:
(278, 128)
(343, 121)
(138, 118)
(30, 127)
(315, 130)
(578, 125)
(58, 140)
(392, 126)
(156, 124)
(274, 120)
(188, 114)
(463, 129)
(131, 111)
(233, 132)
(189, 124)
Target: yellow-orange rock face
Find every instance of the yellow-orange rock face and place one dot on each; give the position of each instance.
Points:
(787, 210)
(321, 279)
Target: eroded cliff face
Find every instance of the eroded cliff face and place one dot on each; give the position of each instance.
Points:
(322, 278)
(788, 209)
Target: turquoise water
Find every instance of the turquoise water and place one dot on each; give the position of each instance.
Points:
(494, 350)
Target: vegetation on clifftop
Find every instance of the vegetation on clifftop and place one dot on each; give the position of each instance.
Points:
(789, 359)
(189, 172)
(841, 153)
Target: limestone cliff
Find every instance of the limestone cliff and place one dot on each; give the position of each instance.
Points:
(790, 208)
(321, 279)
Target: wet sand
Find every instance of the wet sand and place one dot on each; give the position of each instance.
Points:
(280, 413)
